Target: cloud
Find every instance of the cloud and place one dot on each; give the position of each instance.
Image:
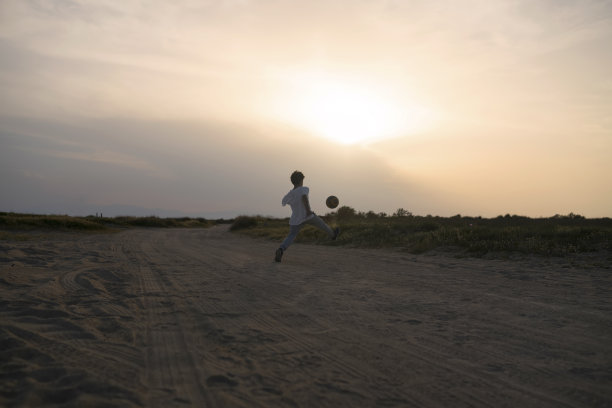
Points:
(57, 140)
(215, 59)
(169, 102)
(104, 157)
(190, 167)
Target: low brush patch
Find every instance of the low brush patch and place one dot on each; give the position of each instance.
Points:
(13, 221)
(473, 236)
(25, 222)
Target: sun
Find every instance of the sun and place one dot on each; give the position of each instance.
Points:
(350, 111)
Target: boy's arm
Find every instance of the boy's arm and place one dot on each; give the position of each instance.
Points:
(306, 205)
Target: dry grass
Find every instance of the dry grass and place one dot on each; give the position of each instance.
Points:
(475, 236)
(13, 223)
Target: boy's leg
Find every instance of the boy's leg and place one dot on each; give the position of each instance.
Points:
(319, 223)
(293, 232)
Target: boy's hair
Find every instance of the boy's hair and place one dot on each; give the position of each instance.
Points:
(297, 177)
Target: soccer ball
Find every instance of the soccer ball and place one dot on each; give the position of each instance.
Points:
(332, 201)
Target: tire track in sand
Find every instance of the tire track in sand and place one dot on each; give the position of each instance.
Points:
(172, 375)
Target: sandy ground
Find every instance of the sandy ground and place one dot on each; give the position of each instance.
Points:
(205, 318)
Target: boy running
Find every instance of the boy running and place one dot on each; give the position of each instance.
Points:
(301, 214)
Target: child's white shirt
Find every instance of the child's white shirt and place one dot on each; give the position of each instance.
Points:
(298, 210)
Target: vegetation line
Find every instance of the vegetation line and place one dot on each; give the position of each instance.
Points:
(560, 235)
(15, 221)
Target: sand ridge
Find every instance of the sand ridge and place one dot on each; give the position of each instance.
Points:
(202, 317)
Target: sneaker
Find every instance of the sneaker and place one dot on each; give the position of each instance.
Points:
(336, 233)
(279, 254)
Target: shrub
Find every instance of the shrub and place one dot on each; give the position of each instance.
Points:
(345, 213)
(30, 221)
(557, 236)
(243, 222)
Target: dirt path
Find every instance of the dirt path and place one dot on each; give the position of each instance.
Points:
(204, 318)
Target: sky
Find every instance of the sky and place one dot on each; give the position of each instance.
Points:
(205, 107)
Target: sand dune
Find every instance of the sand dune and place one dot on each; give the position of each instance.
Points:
(204, 318)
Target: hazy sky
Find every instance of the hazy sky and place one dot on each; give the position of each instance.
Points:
(204, 107)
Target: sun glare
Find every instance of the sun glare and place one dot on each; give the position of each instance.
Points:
(350, 112)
